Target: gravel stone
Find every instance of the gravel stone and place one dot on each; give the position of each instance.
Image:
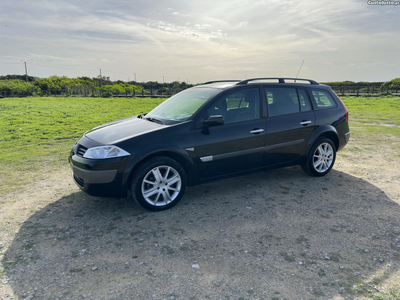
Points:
(290, 245)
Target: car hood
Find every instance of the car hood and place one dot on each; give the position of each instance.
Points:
(117, 131)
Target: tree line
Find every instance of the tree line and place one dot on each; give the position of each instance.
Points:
(21, 85)
(363, 87)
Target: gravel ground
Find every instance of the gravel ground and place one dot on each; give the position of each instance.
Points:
(271, 235)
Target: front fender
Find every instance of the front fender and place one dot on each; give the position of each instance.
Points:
(182, 156)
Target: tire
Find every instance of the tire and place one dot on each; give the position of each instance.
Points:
(158, 183)
(321, 158)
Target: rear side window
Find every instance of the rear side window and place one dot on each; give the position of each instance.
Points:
(283, 101)
(323, 99)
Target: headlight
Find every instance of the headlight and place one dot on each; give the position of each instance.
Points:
(74, 148)
(104, 152)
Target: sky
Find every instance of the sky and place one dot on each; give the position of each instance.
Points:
(197, 41)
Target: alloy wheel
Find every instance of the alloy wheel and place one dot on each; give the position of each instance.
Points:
(323, 157)
(161, 185)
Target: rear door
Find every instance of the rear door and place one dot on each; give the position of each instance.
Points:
(238, 144)
(290, 123)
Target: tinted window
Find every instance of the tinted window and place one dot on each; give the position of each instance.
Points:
(305, 104)
(282, 101)
(323, 99)
(238, 106)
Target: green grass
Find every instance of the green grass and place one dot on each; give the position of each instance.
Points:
(37, 133)
(384, 110)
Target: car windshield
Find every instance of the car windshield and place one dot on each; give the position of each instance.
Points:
(183, 105)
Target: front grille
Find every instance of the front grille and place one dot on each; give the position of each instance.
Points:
(81, 150)
(79, 181)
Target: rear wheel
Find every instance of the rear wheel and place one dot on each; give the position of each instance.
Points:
(321, 158)
(159, 183)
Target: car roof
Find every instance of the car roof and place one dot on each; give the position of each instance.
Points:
(223, 84)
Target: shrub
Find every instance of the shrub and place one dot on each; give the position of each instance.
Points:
(106, 95)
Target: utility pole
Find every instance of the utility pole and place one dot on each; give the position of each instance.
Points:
(26, 71)
(135, 77)
(101, 79)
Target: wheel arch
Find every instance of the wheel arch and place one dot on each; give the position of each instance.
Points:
(184, 160)
(332, 136)
(327, 131)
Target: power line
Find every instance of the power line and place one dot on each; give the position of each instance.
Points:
(116, 72)
(163, 78)
(61, 68)
(4, 63)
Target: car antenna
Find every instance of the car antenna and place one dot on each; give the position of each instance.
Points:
(299, 71)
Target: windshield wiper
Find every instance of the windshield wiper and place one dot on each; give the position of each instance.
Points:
(154, 120)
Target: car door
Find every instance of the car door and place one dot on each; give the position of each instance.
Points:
(238, 144)
(290, 123)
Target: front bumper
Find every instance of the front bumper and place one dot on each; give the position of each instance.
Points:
(100, 177)
(82, 176)
(103, 178)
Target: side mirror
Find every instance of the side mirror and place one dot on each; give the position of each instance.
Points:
(214, 121)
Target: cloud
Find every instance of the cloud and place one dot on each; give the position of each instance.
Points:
(181, 36)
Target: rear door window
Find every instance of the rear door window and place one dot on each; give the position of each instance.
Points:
(323, 99)
(284, 101)
(305, 104)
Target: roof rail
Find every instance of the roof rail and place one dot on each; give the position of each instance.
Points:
(281, 80)
(215, 81)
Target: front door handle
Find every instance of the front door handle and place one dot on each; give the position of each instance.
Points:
(305, 122)
(254, 131)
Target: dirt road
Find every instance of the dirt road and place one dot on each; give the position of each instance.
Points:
(272, 235)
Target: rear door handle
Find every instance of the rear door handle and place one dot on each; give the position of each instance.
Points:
(305, 122)
(254, 131)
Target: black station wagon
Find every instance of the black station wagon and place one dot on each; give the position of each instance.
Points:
(212, 131)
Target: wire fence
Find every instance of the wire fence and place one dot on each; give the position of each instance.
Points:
(90, 91)
(348, 90)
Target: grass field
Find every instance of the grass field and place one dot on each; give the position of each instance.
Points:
(36, 133)
(385, 110)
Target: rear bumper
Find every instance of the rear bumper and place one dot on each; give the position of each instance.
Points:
(343, 140)
(347, 137)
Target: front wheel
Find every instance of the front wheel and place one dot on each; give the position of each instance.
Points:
(321, 158)
(159, 183)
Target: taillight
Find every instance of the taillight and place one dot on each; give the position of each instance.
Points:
(345, 108)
